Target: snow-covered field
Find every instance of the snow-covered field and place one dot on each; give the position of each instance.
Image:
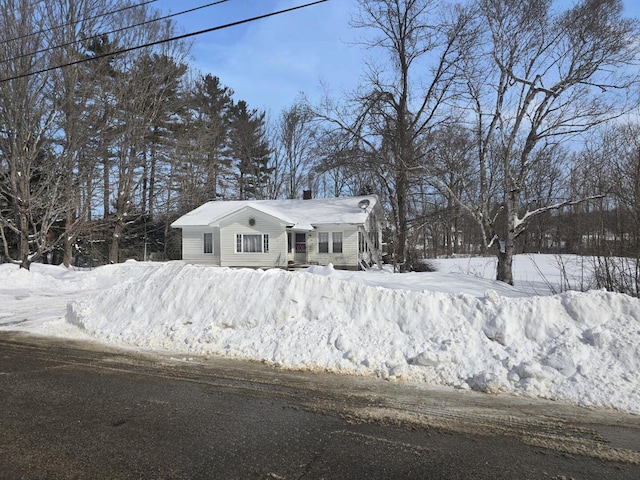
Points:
(453, 327)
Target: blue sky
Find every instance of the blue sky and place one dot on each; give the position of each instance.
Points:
(270, 61)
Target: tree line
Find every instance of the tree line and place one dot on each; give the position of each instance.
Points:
(486, 126)
(91, 150)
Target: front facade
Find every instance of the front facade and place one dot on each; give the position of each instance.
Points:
(345, 232)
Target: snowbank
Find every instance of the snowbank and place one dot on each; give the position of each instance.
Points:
(580, 347)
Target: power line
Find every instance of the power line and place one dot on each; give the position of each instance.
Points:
(17, 57)
(45, 30)
(166, 40)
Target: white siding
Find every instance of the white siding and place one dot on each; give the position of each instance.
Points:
(193, 246)
(264, 224)
(349, 256)
(224, 241)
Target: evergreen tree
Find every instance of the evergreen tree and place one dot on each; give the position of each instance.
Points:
(249, 149)
(212, 102)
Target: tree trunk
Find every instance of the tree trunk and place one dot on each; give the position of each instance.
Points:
(67, 241)
(114, 249)
(26, 263)
(152, 182)
(24, 239)
(145, 182)
(504, 271)
(69, 227)
(506, 245)
(402, 224)
(106, 186)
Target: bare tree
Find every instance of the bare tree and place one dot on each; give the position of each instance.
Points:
(72, 94)
(334, 174)
(450, 163)
(144, 80)
(31, 190)
(294, 149)
(536, 77)
(55, 122)
(626, 178)
(610, 230)
(402, 100)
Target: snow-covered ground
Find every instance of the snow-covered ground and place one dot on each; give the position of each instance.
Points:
(453, 327)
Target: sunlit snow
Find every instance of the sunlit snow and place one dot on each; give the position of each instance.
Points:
(452, 327)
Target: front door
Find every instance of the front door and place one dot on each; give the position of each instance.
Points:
(301, 248)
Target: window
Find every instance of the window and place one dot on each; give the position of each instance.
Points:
(337, 242)
(323, 242)
(252, 243)
(208, 243)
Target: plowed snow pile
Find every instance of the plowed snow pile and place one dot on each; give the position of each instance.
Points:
(580, 347)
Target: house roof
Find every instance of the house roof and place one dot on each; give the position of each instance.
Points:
(300, 214)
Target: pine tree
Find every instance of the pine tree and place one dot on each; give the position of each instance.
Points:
(249, 150)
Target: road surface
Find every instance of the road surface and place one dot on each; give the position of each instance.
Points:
(74, 410)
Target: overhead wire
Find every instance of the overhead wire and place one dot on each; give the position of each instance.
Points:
(165, 40)
(122, 29)
(104, 14)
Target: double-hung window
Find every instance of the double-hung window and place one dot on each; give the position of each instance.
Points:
(323, 242)
(208, 243)
(326, 246)
(252, 243)
(336, 238)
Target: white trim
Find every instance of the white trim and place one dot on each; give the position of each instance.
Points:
(333, 242)
(264, 242)
(204, 243)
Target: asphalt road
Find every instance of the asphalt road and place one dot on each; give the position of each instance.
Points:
(72, 410)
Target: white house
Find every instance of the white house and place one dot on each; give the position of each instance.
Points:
(346, 232)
